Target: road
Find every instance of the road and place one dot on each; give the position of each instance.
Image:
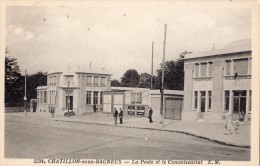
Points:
(42, 137)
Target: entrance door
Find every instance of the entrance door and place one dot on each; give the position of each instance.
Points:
(118, 101)
(202, 104)
(107, 100)
(173, 107)
(69, 99)
(239, 110)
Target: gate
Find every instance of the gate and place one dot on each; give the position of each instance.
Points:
(173, 108)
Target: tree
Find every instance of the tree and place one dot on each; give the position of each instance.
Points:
(115, 82)
(174, 73)
(14, 81)
(33, 81)
(130, 78)
(145, 80)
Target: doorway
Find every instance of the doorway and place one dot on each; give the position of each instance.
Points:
(239, 101)
(202, 104)
(69, 99)
(173, 108)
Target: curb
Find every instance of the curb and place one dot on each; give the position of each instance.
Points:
(175, 131)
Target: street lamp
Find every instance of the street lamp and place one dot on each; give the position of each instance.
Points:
(25, 98)
(68, 98)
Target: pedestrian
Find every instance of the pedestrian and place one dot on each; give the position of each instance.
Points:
(94, 107)
(121, 116)
(115, 115)
(52, 112)
(228, 124)
(150, 117)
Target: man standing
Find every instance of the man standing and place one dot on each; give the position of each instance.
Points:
(150, 115)
(115, 115)
(121, 116)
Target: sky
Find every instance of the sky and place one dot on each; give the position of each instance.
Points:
(116, 38)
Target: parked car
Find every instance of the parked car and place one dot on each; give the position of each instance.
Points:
(68, 114)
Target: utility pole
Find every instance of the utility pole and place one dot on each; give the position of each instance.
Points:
(162, 87)
(25, 97)
(152, 69)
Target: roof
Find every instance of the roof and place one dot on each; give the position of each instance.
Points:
(105, 72)
(41, 87)
(233, 47)
(127, 89)
(152, 92)
(167, 92)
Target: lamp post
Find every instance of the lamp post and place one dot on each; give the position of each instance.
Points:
(25, 98)
(68, 98)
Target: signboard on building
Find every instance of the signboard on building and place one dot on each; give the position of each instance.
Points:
(140, 110)
(131, 110)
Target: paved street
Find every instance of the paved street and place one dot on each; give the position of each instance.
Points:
(42, 137)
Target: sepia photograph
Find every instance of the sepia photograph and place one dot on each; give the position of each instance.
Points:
(114, 82)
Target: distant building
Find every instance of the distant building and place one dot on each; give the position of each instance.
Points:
(218, 81)
(80, 91)
(136, 102)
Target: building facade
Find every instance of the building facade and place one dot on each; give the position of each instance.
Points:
(217, 82)
(136, 102)
(78, 91)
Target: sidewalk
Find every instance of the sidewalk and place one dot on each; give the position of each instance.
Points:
(209, 131)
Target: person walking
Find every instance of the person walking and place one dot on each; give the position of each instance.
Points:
(115, 115)
(52, 112)
(150, 117)
(121, 116)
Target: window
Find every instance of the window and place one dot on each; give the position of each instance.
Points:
(250, 94)
(103, 81)
(41, 98)
(136, 98)
(44, 97)
(209, 98)
(101, 98)
(52, 98)
(210, 68)
(228, 67)
(96, 80)
(195, 99)
(88, 97)
(240, 93)
(89, 80)
(38, 98)
(203, 69)
(54, 80)
(227, 94)
(95, 97)
(241, 66)
(196, 68)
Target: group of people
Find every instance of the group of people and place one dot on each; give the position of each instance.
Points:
(121, 114)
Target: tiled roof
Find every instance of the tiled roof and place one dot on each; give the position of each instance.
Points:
(233, 47)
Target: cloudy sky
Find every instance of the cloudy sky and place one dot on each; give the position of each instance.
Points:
(116, 38)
